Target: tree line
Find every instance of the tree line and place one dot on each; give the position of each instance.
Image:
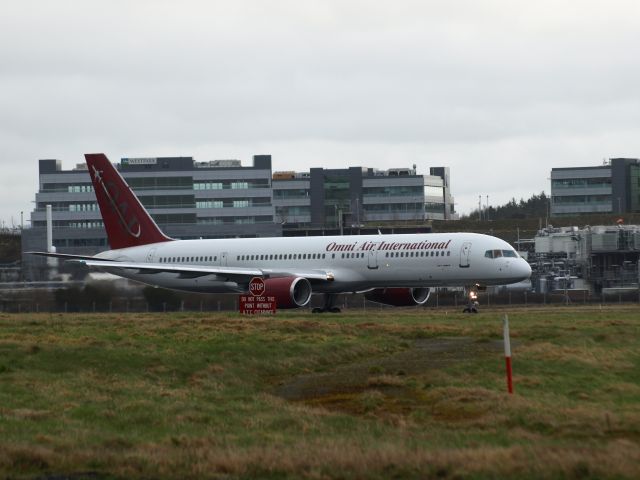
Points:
(535, 206)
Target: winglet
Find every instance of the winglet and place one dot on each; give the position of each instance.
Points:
(126, 221)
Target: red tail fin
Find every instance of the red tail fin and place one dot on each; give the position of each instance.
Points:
(127, 222)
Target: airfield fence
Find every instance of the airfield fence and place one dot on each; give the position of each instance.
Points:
(158, 300)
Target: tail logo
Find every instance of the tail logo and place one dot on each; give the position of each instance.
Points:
(113, 193)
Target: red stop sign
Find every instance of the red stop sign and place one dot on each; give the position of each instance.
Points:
(256, 286)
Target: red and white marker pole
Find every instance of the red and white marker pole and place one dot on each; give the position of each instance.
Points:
(507, 353)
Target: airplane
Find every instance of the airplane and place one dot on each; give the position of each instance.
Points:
(398, 270)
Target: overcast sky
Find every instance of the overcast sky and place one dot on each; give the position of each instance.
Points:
(499, 91)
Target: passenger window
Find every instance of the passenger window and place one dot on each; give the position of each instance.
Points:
(215, 258)
(448, 254)
(323, 255)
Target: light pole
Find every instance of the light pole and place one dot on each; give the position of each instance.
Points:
(487, 215)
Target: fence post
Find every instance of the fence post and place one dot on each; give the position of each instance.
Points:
(507, 353)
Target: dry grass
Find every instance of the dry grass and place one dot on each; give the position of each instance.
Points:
(396, 393)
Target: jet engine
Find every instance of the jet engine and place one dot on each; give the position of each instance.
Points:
(290, 292)
(399, 297)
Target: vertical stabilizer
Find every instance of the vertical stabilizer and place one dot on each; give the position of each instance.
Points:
(126, 221)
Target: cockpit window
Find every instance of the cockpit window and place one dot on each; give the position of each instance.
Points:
(500, 253)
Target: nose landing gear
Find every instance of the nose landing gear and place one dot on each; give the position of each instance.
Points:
(472, 296)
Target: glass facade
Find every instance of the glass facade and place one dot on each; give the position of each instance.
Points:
(582, 183)
(394, 191)
(160, 183)
(634, 188)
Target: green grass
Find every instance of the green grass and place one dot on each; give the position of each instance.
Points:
(377, 394)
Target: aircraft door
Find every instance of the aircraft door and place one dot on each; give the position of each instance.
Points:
(372, 256)
(151, 255)
(223, 259)
(465, 251)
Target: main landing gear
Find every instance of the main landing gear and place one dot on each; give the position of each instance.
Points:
(329, 304)
(473, 305)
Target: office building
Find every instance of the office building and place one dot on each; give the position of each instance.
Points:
(613, 187)
(357, 196)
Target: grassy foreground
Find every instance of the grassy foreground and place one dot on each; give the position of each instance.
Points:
(377, 394)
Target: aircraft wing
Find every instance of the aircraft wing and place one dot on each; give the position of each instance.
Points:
(64, 256)
(237, 274)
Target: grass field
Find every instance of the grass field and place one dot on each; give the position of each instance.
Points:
(379, 394)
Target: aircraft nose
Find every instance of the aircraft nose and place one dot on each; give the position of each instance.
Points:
(524, 269)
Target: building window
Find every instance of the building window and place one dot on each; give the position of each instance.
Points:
(207, 185)
(209, 204)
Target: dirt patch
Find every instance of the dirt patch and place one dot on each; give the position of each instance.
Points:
(337, 388)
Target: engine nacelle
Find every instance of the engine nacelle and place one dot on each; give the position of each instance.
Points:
(290, 292)
(399, 297)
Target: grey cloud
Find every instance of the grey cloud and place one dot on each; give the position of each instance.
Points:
(480, 86)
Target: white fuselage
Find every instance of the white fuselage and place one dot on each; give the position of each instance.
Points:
(356, 263)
